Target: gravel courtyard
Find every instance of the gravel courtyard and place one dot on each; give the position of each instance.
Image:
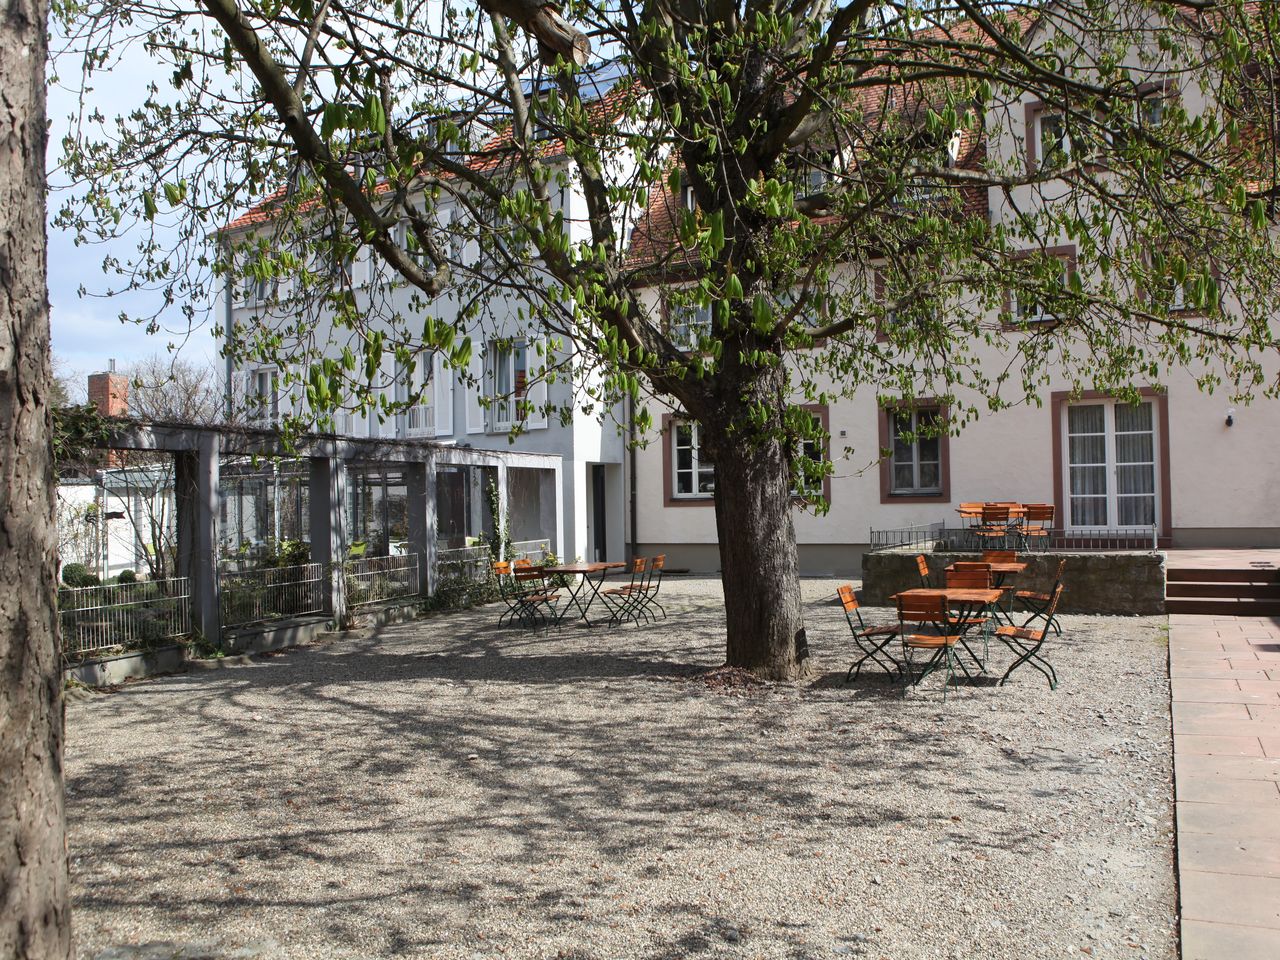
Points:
(446, 789)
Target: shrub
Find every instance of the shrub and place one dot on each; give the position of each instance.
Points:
(127, 576)
(78, 575)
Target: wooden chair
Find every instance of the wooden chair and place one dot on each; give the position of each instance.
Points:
(873, 642)
(537, 600)
(922, 567)
(970, 512)
(922, 626)
(1037, 604)
(993, 530)
(646, 595)
(1026, 643)
(1037, 528)
(621, 600)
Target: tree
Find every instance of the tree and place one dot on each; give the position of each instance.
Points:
(793, 158)
(35, 917)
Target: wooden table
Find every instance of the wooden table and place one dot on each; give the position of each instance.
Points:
(998, 573)
(584, 571)
(968, 602)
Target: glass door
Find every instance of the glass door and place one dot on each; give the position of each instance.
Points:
(1111, 465)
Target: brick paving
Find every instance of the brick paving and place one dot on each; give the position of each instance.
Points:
(1225, 674)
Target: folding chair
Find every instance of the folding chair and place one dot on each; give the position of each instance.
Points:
(622, 601)
(1026, 644)
(1037, 528)
(993, 529)
(922, 567)
(922, 625)
(873, 642)
(969, 576)
(648, 595)
(1037, 604)
(537, 602)
(507, 591)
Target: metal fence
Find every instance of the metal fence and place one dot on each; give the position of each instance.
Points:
(939, 536)
(373, 579)
(469, 563)
(535, 551)
(123, 614)
(271, 593)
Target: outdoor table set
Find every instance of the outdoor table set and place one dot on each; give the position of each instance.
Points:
(949, 625)
(1006, 524)
(533, 598)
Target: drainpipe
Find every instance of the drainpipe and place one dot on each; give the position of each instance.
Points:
(228, 326)
(630, 454)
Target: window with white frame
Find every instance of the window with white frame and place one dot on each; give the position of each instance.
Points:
(689, 324)
(416, 390)
(916, 451)
(262, 395)
(1026, 307)
(693, 475)
(508, 362)
(1052, 139)
(812, 448)
(688, 198)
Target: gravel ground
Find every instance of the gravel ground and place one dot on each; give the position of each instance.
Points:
(446, 789)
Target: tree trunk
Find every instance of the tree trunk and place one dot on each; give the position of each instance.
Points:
(758, 554)
(35, 920)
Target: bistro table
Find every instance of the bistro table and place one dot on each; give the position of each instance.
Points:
(585, 572)
(999, 571)
(968, 604)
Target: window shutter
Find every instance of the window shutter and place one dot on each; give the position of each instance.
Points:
(538, 363)
(443, 397)
(475, 412)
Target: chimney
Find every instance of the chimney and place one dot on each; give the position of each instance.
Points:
(109, 392)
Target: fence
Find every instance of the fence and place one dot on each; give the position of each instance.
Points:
(373, 579)
(465, 563)
(123, 614)
(535, 551)
(271, 593)
(938, 536)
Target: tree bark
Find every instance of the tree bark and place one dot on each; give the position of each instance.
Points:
(758, 566)
(35, 919)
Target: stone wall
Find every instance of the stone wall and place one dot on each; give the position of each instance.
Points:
(1128, 583)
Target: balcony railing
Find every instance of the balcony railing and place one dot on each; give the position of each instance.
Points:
(535, 551)
(939, 536)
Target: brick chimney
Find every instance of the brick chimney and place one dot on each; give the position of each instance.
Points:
(109, 392)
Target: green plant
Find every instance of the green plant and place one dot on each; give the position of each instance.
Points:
(127, 576)
(78, 575)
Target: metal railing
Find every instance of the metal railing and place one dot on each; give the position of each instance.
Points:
(123, 614)
(939, 536)
(535, 551)
(374, 579)
(270, 593)
(470, 563)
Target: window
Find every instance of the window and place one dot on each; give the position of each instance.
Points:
(693, 474)
(1113, 462)
(807, 487)
(1052, 139)
(1024, 306)
(415, 389)
(689, 324)
(509, 376)
(915, 451)
(688, 199)
(263, 395)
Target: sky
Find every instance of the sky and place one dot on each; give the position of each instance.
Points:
(87, 331)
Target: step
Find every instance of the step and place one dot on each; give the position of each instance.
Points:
(1256, 591)
(1222, 575)
(1223, 607)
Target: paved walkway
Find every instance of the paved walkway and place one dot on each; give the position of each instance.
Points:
(1226, 740)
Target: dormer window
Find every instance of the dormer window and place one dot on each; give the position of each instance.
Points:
(688, 199)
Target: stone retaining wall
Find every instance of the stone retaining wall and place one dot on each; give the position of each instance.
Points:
(1126, 583)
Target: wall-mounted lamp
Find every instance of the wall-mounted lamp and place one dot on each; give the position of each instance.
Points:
(1231, 416)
